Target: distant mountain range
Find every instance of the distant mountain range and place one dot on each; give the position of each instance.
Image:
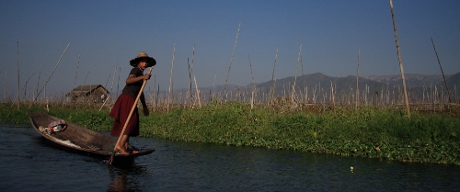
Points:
(412, 80)
(320, 84)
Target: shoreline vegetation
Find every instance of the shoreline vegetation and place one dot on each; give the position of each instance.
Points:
(429, 136)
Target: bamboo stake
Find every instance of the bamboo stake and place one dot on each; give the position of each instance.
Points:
(189, 91)
(113, 79)
(332, 96)
(357, 78)
(118, 83)
(213, 87)
(170, 77)
(57, 64)
(253, 82)
(197, 93)
(191, 64)
(107, 82)
(400, 60)
(272, 87)
(25, 85)
(295, 77)
(17, 62)
(156, 96)
(27, 81)
(38, 83)
(305, 97)
(76, 72)
(231, 59)
(4, 88)
(190, 72)
(445, 83)
(104, 103)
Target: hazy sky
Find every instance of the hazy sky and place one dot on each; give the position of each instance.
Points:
(103, 34)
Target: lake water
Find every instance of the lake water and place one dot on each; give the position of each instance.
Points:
(29, 163)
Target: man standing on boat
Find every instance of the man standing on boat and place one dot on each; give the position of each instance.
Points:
(128, 100)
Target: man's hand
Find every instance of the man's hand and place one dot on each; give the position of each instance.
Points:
(146, 111)
(146, 77)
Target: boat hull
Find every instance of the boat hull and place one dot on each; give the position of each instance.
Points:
(79, 139)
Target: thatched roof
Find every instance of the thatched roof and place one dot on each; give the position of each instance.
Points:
(86, 90)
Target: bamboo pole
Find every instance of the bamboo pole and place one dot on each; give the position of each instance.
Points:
(113, 79)
(189, 91)
(57, 64)
(170, 77)
(27, 81)
(24, 87)
(190, 71)
(118, 83)
(231, 59)
(442, 72)
(38, 83)
(17, 62)
(272, 87)
(401, 67)
(104, 103)
(84, 82)
(332, 96)
(305, 97)
(107, 82)
(214, 87)
(253, 83)
(357, 79)
(157, 95)
(295, 77)
(197, 93)
(5, 90)
(76, 72)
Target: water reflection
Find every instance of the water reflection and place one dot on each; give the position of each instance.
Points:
(119, 179)
(125, 177)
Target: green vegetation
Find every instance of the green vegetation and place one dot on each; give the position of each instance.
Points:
(367, 132)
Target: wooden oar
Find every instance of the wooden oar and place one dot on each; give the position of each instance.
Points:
(128, 119)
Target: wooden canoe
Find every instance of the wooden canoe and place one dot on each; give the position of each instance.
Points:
(79, 139)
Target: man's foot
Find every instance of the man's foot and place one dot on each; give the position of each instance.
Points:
(122, 151)
(134, 151)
